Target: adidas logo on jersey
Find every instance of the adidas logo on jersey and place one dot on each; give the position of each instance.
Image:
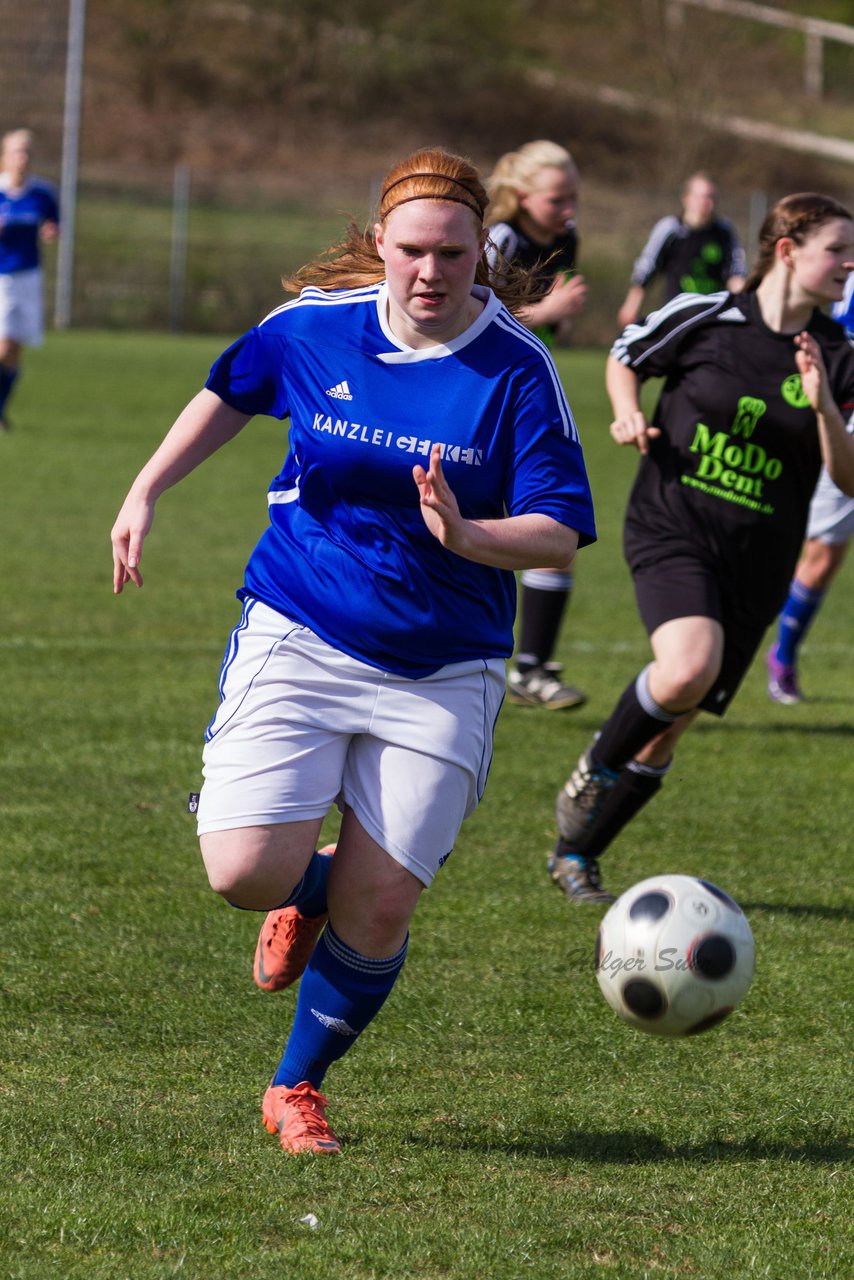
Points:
(340, 391)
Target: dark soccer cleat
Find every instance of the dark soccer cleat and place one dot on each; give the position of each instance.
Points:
(541, 687)
(578, 877)
(582, 796)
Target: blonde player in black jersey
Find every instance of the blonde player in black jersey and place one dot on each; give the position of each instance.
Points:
(757, 388)
(533, 197)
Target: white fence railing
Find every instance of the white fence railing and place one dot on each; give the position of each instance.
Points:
(815, 31)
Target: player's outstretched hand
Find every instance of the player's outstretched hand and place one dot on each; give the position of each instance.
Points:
(438, 504)
(810, 364)
(633, 428)
(127, 536)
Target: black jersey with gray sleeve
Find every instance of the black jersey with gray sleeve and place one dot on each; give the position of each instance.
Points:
(691, 259)
(508, 244)
(731, 476)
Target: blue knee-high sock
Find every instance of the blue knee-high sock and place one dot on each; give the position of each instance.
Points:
(8, 377)
(798, 612)
(340, 993)
(309, 896)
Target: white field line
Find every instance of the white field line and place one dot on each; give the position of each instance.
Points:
(106, 644)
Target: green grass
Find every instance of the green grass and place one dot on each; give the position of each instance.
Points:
(499, 1121)
(235, 257)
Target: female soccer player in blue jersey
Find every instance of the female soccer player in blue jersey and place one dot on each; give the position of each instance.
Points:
(756, 386)
(29, 214)
(431, 454)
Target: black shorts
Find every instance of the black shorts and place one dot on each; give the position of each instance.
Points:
(683, 587)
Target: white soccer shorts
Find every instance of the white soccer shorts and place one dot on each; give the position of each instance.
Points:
(21, 308)
(301, 726)
(831, 517)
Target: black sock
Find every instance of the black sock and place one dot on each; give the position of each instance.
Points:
(635, 721)
(631, 791)
(541, 613)
(8, 378)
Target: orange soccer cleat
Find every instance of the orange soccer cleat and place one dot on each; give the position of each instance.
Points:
(285, 944)
(298, 1116)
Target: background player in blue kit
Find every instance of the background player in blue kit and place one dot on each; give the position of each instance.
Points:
(533, 199)
(29, 213)
(696, 252)
(830, 529)
(431, 454)
(756, 385)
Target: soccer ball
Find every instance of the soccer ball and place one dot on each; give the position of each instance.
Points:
(674, 955)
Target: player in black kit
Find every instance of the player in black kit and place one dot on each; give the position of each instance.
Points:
(533, 197)
(756, 386)
(698, 252)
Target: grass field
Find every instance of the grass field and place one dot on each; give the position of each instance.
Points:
(499, 1121)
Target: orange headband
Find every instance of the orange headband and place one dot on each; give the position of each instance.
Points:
(472, 202)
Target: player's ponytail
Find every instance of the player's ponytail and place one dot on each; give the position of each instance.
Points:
(795, 218)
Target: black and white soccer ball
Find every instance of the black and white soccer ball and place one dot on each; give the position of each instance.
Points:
(674, 955)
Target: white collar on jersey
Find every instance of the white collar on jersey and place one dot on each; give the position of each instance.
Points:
(411, 355)
(7, 188)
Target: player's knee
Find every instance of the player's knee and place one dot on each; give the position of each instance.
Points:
(230, 883)
(386, 926)
(377, 926)
(237, 874)
(689, 681)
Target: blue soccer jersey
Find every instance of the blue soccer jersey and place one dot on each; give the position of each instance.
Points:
(21, 216)
(844, 311)
(346, 551)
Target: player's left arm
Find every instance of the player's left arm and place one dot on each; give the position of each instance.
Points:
(49, 231)
(528, 541)
(837, 446)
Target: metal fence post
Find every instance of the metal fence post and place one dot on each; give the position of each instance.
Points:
(70, 153)
(178, 260)
(814, 65)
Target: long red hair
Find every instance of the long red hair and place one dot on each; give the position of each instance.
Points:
(428, 174)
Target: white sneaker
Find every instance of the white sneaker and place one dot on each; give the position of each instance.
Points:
(541, 687)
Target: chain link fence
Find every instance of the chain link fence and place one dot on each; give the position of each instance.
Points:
(204, 250)
(144, 260)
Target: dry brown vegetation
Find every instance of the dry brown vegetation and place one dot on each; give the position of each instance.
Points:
(298, 86)
(299, 105)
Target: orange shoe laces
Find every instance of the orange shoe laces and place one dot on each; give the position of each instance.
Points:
(311, 1108)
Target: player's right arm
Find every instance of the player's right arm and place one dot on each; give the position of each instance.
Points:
(630, 425)
(647, 266)
(205, 425)
(631, 308)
